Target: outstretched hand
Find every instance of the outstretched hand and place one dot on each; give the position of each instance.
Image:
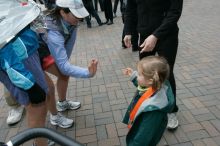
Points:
(127, 71)
(92, 67)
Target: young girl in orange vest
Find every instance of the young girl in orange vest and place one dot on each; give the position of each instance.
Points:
(146, 115)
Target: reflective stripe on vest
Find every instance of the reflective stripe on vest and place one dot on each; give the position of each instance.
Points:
(144, 97)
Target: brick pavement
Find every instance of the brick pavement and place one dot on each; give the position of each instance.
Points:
(105, 97)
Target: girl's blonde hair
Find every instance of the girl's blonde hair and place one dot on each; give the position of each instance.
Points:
(156, 69)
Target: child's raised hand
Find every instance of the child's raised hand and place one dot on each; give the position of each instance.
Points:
(93, 67)
(127, 71)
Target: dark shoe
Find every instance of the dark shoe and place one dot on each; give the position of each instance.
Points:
(100, 24)
(106, 22)
(110, 23)
(89, 26)
(114, 15)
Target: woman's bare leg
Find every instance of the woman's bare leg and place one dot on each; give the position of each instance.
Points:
(55, 117)
(51, 101)
(62, 82)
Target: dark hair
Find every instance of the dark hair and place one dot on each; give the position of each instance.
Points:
(57, 10)
(55, 13)
(66, 10)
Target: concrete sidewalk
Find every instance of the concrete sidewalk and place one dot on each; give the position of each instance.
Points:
(105, 97)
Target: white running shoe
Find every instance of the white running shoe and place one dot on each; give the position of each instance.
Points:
(15, 114)
(173, 122)
(50, 143)
(60, 120)
(67, 104)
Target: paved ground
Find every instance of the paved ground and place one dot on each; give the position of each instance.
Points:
(105, 97)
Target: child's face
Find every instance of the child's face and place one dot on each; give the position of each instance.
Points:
(142, 81)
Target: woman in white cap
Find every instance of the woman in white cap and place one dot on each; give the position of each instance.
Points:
(61, 24)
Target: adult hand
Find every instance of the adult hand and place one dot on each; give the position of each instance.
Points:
(148, 44)
(127, 41)
(92, 67)
(127, 71)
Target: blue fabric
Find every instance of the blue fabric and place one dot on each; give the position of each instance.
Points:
(19, 48)
(18, 78)
(32, 64)
(61, 49)
(30, 40)
(11, 56)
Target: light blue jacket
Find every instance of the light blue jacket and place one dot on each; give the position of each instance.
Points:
(61, 47)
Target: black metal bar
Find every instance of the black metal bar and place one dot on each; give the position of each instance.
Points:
(28, 134)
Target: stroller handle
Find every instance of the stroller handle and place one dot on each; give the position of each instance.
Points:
(28, 134)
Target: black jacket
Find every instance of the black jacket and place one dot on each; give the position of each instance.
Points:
(158, 17)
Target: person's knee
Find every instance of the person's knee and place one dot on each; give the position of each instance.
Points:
(61, 75)
(63, 78)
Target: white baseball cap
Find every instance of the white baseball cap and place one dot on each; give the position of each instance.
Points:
(75, 6)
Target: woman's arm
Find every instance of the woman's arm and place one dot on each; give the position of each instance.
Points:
(56, 45)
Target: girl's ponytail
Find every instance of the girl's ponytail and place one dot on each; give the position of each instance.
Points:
(156, 81)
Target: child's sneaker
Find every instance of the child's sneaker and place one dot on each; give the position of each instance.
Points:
(67, 104)
(60, 120)
(172, 121)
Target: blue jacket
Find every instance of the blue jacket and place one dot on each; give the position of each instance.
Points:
(60, 39)
(12, 54)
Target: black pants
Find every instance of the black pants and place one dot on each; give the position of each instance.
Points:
(90, 8)
(100, 3)
(134, 40)
(167, 48)
(116, 5)
(108, 10)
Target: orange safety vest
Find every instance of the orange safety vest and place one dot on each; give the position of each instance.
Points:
(150, 91)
